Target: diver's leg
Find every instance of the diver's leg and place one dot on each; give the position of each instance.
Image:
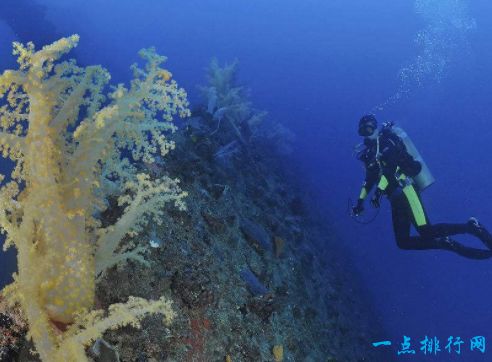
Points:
(401, 222)
(442, 229)
(406, 210)
(466, 251)
(445, 243)
(424, 227)
(472, 227)
(435, 236)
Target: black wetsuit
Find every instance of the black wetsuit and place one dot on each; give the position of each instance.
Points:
(391, 171)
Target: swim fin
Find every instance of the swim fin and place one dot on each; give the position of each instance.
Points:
(452, 245)
(478, 230)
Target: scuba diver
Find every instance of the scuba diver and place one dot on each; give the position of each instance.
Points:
(395, 166)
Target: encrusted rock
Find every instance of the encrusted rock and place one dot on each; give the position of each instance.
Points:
(104, 352)
(262, 306)
(193, 286)
(217, 190)
(13, 328)
(215, 224)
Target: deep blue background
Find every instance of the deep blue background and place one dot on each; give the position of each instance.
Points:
(317, 66)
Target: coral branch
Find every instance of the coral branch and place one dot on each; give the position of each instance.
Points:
(90, 326)
(66, 137)
(146, 204)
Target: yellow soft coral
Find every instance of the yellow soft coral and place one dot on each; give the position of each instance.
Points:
(278, 353)
(65, 135)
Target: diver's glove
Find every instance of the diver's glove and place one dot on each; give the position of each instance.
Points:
(376, 198)
(357, 209)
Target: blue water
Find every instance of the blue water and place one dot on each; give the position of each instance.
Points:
(317, 66)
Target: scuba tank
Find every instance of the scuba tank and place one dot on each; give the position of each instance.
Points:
(424, 178)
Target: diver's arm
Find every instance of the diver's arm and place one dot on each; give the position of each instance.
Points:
(395, 149)
(372, 174)
(382, 185)
(397, 153)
